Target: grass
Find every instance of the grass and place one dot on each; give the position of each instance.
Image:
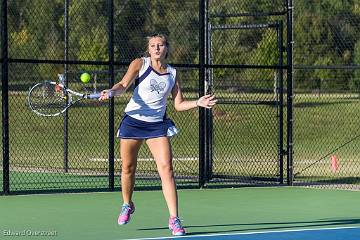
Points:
(326, 126)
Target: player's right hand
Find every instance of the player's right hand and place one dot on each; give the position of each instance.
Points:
(106, 94)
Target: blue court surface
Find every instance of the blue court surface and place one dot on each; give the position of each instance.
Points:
(342, 233)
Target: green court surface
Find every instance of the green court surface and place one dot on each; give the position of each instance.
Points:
(204, 211)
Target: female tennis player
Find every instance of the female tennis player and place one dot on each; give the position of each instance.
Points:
(145, 120)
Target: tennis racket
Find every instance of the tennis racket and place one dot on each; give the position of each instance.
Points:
(50, 99)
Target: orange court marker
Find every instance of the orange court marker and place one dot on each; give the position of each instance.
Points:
(334, 163)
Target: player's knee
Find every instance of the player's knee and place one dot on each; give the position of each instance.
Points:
(128, 169)
(166, 168)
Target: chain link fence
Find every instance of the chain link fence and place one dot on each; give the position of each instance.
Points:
(2, 175)
(71, 152)
(182, 27)
(326, 85)
(247, 119)
(241, 141)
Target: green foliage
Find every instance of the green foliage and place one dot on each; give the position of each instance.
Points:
(355, 83)
(326, 33)
(130, 29)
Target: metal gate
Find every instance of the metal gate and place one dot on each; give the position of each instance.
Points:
(245, 130)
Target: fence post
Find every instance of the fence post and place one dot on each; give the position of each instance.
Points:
(66, 58)
(202, 77)
(5, 98)
(111, 102)
(280, 94)
(290, 94)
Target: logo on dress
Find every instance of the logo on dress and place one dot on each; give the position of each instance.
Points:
(155, 86)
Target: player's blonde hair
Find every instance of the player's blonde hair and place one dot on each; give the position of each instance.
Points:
(159, 35)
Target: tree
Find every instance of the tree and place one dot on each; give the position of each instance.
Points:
(34, 34)
(325, 33)
(355, 81)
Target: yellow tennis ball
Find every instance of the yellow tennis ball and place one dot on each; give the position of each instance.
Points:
(85, 77)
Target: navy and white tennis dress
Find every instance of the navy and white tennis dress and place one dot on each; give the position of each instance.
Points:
(145, 114)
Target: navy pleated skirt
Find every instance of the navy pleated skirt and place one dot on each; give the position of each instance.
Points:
(136, 129)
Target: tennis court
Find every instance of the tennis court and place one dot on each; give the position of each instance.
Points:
(240, 213)
(287, 77)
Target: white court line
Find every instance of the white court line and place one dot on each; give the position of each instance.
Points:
(247, 233)
(143, 159)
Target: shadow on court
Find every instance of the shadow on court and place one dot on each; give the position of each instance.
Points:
(261, 226)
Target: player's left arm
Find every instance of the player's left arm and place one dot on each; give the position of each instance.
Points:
(180, 104)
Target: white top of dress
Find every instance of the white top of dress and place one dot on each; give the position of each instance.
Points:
(152, 89)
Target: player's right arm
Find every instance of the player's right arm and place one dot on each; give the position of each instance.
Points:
(126, 81)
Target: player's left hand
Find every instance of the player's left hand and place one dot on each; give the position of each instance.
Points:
(206, 101)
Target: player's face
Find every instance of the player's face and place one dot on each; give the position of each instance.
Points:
(157, 48)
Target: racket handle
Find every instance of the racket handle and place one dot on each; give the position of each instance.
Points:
(111, 93)
(93, 96)
(98, 95)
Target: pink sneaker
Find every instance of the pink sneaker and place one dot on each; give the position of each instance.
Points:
(126, 211)
(176, 227)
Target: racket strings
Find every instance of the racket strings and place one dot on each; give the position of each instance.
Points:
(48, 99)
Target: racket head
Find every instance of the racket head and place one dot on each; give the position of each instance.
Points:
(48, 99)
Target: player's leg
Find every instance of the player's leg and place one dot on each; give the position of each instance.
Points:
(129, 149)
(161, 150)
